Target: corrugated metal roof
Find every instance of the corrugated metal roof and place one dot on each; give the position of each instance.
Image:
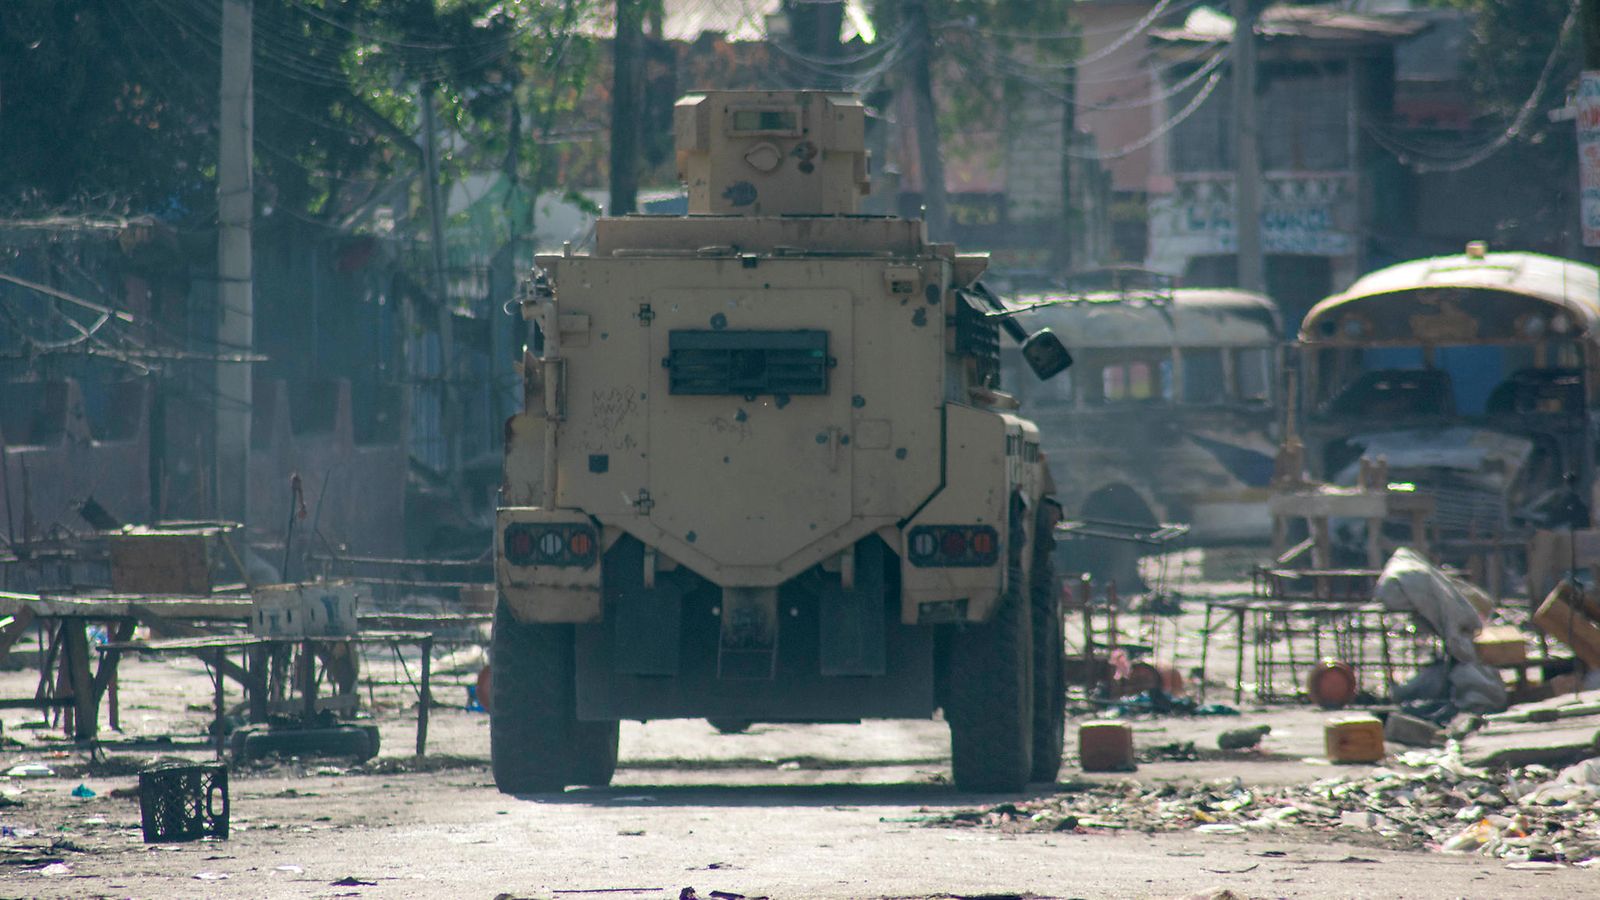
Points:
(1309, 23)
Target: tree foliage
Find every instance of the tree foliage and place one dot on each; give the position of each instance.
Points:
(1513, 40)
(118, 98)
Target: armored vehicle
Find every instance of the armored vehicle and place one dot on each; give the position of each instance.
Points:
(765, 472)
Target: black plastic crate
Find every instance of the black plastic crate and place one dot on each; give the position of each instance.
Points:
(180, 803)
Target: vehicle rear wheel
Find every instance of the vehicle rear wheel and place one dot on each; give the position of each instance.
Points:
(536, 742)
(1049, 655)
(989, 696)
(730, 726)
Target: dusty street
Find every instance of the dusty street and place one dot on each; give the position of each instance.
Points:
(781, 811)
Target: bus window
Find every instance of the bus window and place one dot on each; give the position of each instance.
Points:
(1136, 382)
(1202, 377)
(1252, 374)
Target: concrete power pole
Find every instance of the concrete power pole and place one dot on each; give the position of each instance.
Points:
(235, 268)
(1589, 33)
(934, 201)
(1246, 150)
(625, 113)
(451, 418)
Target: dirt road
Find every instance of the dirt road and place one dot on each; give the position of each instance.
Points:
(782, 811)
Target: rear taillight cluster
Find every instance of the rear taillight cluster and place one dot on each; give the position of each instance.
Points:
(954, 545)
(565, 544)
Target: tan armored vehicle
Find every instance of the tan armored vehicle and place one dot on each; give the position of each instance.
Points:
(764, 472)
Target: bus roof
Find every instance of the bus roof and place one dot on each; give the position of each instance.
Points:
(1426, 288)
(1184, 317)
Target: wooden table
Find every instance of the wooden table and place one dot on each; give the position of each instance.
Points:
(78, 687)
(258, 650)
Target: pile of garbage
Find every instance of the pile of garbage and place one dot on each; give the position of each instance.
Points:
(1431, 799)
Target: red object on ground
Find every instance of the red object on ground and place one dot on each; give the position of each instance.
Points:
(1332, 684)
(485, 681)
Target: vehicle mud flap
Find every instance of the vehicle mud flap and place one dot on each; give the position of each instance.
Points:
(852, 639)
(748, 645)
(646, 623)
(536, 742)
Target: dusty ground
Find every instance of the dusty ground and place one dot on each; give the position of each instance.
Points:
(781, 811)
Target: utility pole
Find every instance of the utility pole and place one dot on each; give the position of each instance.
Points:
(1590, 31)
(1588, 92)
(1069, 240)
(447, 339)
(814, 30)
(235, 268)
(1246, 150)
(626, 82)
(935, 204)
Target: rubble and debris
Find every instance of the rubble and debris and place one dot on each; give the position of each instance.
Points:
(1568, 615)
(1243, 738)
(1426, 799)
(1354, 739)
(1453, 608)
(1400, 728)
(30, 770)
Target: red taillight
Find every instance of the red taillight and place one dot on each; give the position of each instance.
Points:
(519, 545)
(565, 544)
(953, 545)
(983, 543)
(580, 544)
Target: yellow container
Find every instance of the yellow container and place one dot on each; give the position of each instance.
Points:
(1354, 739)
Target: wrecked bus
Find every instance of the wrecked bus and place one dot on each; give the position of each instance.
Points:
(1168, 414)
(1473, 376)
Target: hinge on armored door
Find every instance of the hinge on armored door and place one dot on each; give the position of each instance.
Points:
(645, 315)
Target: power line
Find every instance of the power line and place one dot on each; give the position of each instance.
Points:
(1512, 131)
(1176, 120)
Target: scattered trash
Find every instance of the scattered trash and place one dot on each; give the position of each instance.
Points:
(30, 770)
(1176, 751)
(352, 881)
(1420, 799)
(212, 876)
(83, 792)
(289, 869)
(1243, 738)
(1412, 731)
(183, 802)
(1159, 702)
(1214, 894)
(55, 868)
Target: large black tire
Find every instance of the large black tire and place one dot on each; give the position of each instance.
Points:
(730, 726)
(1049, 655)
(989, 696)
(536, 742)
